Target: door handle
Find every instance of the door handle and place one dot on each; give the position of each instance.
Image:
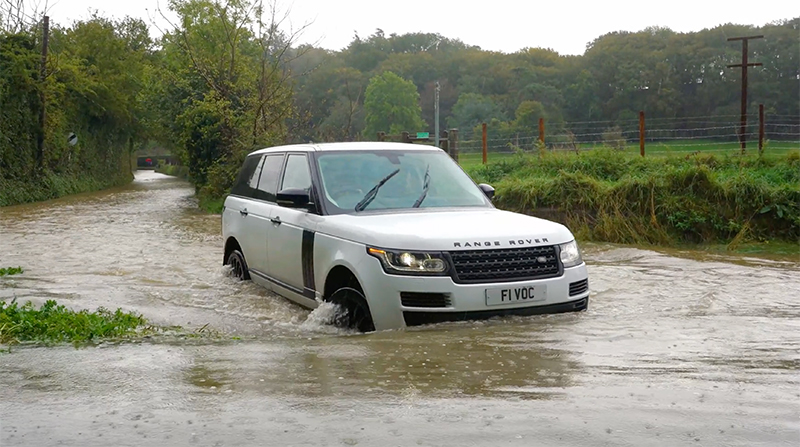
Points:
(276, 220)
(243, 212)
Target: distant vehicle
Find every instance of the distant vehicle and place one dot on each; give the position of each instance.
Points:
(396, 235)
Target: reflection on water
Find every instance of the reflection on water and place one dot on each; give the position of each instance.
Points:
(442, 363)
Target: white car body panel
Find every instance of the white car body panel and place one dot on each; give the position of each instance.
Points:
(440, 230)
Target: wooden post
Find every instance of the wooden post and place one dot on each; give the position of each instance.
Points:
(760, 129)
(541, 131)
(744, 65)
(453, 137)
(641, 132)
(43, 80)
(404, 137)
(444, 142)
(483, 143)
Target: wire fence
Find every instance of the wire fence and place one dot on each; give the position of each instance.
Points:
(713, 133)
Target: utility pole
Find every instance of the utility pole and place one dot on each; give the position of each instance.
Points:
(43, 80)
(744, 65)
(436, 115)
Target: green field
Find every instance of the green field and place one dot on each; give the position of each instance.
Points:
(472, 158)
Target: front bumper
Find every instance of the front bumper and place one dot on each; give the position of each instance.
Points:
(465, 301)
(416, 317)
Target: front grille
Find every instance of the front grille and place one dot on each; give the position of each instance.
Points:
(515, 264)
(579, 287)
(415, 299)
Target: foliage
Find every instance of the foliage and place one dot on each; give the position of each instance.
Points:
(91, 89)
(53, 323)
(392, 105)
(472, 109)
(613, 196)
(667, 74)
(227, 77)
(222, 85)
(9, 271)
(613, 138)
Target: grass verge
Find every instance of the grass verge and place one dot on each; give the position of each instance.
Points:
(613, 196)
(53, 323)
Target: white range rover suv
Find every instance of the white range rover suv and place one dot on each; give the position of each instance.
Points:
(396, 235)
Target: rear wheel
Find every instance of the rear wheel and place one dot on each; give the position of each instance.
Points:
(238, 265)
(353, 310)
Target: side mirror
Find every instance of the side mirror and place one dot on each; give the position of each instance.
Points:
(293, 198)
(487, 189)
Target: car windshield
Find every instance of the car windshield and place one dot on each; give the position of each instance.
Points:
(379, 180)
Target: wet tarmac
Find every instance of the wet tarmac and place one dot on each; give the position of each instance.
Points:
(677, 348)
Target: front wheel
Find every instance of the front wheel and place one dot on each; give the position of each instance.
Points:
(238, 265)
(353, 312)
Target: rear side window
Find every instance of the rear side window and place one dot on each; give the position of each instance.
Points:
(247, 180)
(270, 174)
(253, 182)
(297, 174)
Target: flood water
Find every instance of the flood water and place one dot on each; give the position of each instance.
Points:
(677, 348)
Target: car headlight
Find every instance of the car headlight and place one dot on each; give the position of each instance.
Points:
(570, 254)
(410, 262)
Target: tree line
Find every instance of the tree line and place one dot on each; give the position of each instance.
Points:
(228, 76)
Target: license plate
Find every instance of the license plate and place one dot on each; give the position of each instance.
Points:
(511, 295)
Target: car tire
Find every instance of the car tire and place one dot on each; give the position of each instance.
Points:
(238, 265)
(354, 311)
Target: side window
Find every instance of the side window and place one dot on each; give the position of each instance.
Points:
(253, 182)
(251, 168)
(268, 183)
(296, 174)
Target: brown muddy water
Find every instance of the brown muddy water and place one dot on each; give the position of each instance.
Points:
(677, 348)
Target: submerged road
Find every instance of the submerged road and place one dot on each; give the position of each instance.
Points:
(677, 348)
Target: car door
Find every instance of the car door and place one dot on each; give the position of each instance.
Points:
(243, 218)
(258, 213)
(291, 236)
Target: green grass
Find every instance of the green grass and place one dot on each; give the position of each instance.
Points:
(710, 146)
(614, 196)
(209, 204)
(53, 323)
(653, 149)
(9, 271)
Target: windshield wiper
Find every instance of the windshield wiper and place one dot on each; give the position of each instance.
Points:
(425, 184)
(370, 196)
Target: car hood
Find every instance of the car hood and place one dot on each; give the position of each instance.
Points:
(446, 230)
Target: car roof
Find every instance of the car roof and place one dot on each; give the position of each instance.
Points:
(350, 146)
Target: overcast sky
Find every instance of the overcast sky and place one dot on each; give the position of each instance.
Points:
(501, 25)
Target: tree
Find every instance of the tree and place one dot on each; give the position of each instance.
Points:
(224, 85)
(527, 116)
(473, 109)
(391, 105)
